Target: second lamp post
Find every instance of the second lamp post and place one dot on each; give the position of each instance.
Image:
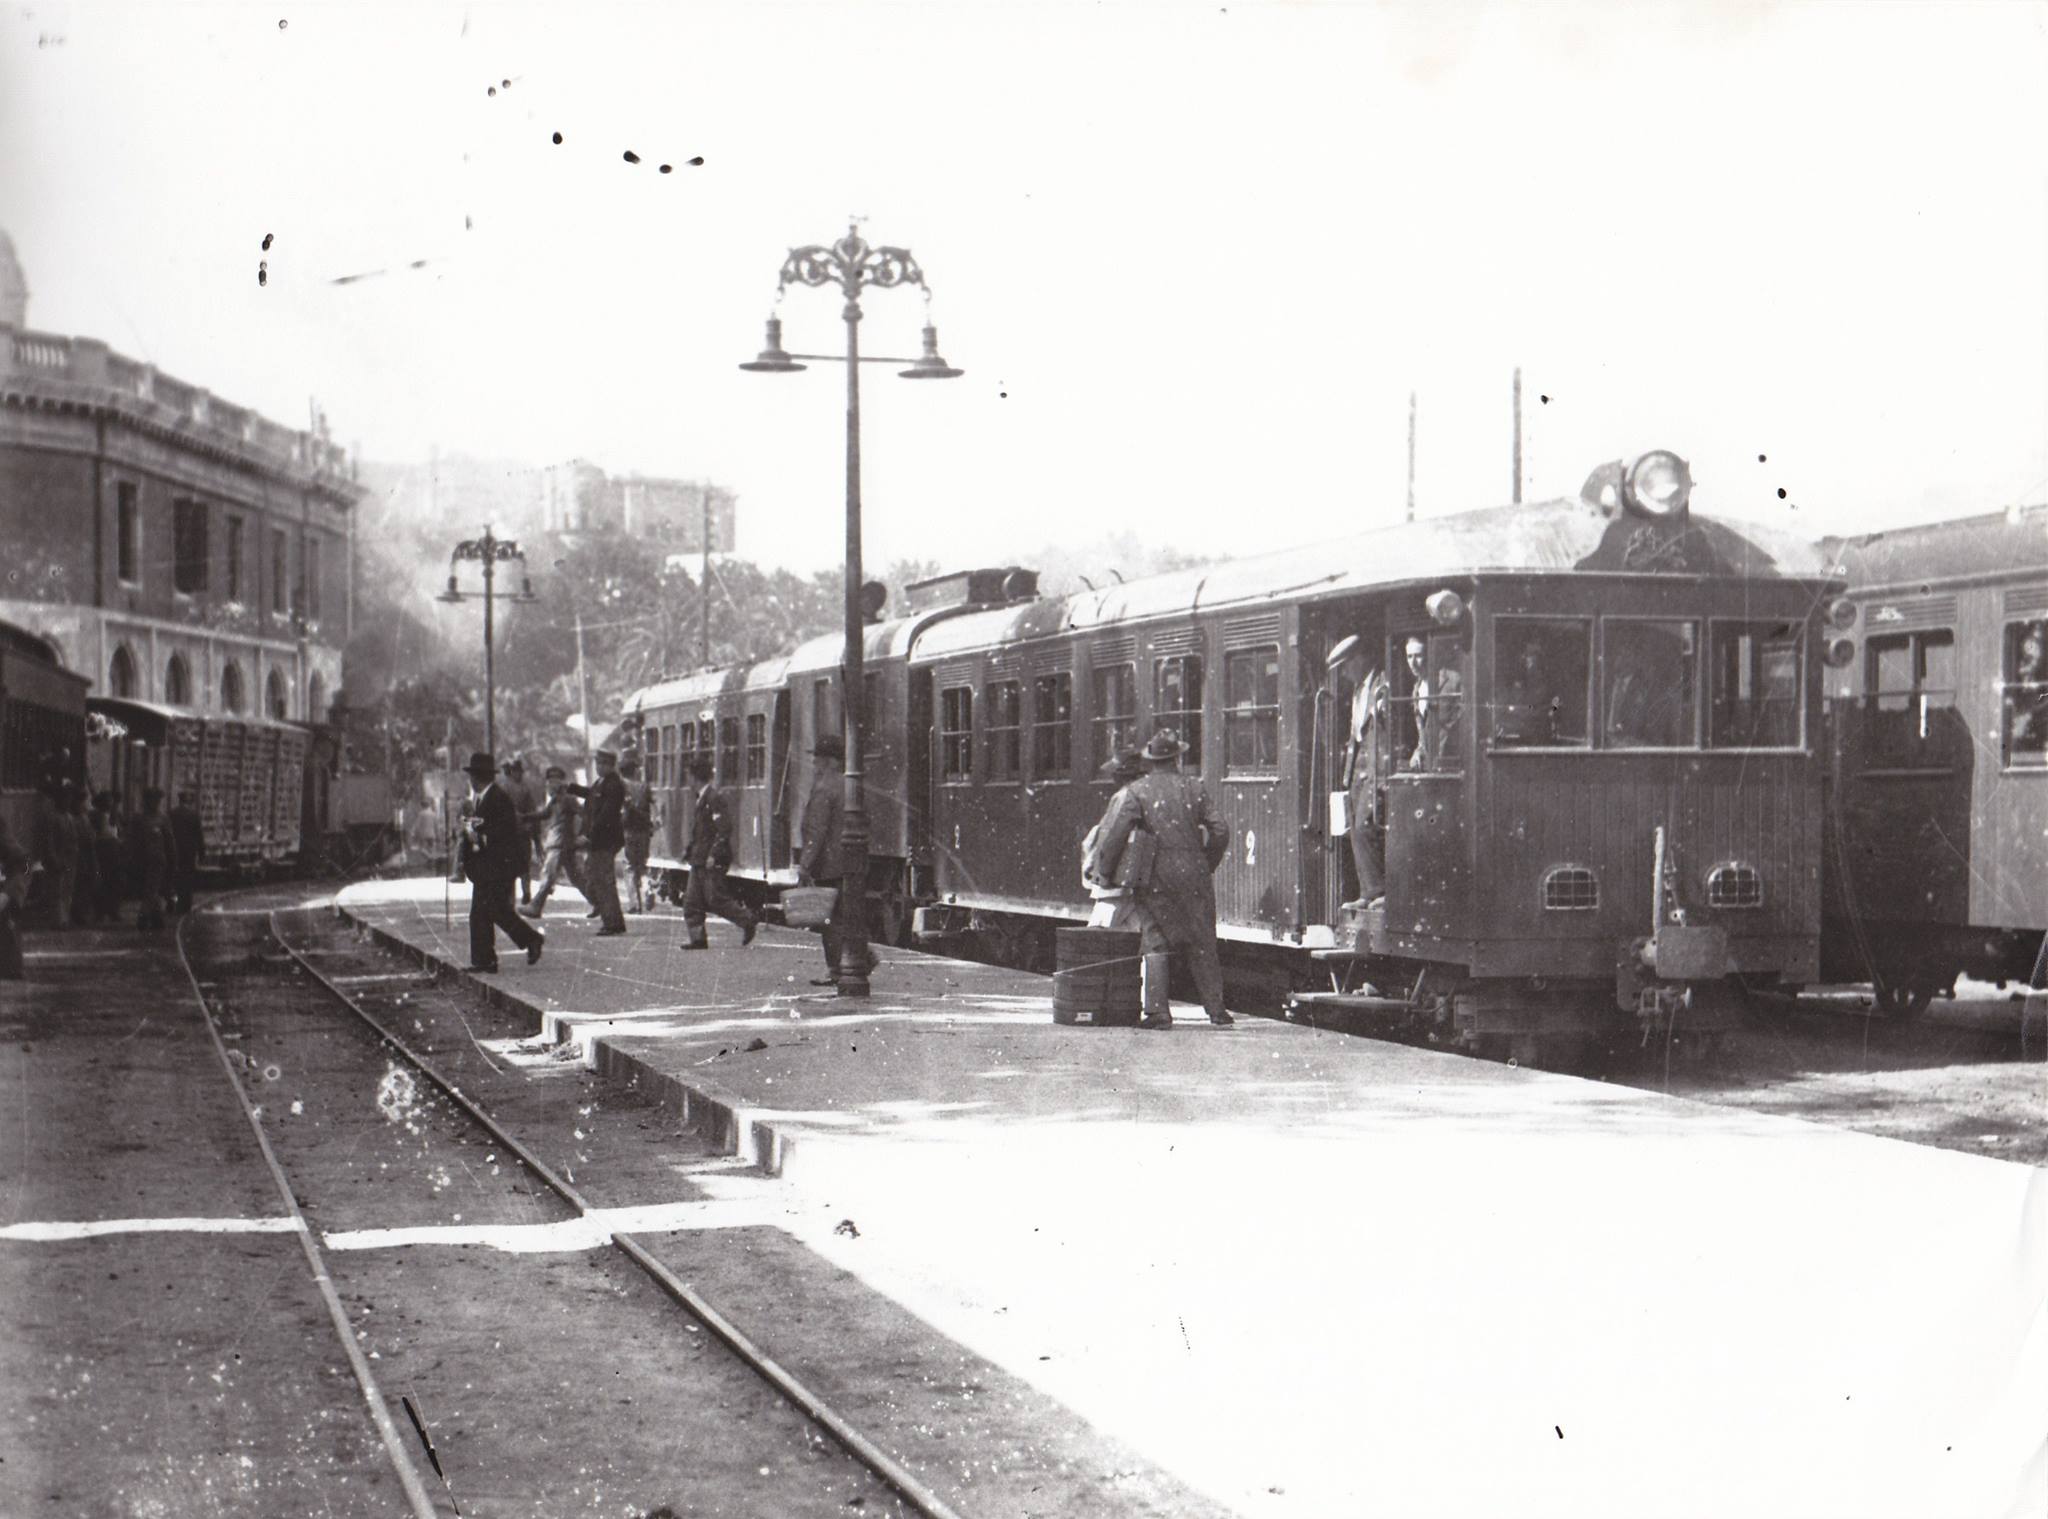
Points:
(490, 549)
(853, 265)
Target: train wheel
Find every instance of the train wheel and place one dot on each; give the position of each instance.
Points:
(1902, 999)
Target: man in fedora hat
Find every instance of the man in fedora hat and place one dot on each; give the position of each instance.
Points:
(1180, 902)
(604, 836)
(493, 848)
(1360, 777)
(1116, 906)
(821, 863)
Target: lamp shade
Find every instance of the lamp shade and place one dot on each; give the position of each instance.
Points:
(929, 365)
(772, 359)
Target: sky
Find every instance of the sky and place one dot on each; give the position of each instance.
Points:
(1193, 259)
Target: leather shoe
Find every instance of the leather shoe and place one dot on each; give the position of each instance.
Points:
(529, 912)
(696, 944)
(483, 970)
(824, 980)
(609, 933)
(1156, 1020)
(747, 932)
(533, 950)
(1222, 1020)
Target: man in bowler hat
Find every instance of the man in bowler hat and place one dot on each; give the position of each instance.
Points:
(493, 852)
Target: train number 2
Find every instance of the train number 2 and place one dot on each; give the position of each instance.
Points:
(1251, 847)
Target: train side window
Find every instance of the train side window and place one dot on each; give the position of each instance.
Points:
(678, 738)
(1441, 711)
(1003, 722)
(1908, 675)
(2026, 694)
(1649, 684)
(1251, 713)
(1113, 717)
(1754, 698)
(657, 758)
(1052, 726)
(956, 736)
(1540, 670)
(1177, 702)
(757, 749)
(824, 710)
(728, 749)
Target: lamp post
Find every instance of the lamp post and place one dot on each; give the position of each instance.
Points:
(490, 550)
(853, 265)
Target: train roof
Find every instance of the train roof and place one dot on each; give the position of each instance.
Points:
(1955, 549)
(19, 640)
(705, 685)
(1544, 537)
(160, 713)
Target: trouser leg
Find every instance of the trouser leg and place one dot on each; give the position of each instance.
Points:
(1207, 964)
(1157, 966)
(506, 916)
(483, 938)
(11, 967)
(695, 903)
(601, 885)
(67, 891)
(1368, 844)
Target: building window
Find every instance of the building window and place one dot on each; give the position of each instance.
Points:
(1251, 714)
(1052, 725)
(313, 578)
(1177, 702)
(127, 535)
(1754, 700)
(316, 700)
(2026, 694)
(956, 736)
(235, 527)
(728, 749)
(232, 697)
(1113, 717)
(280, 570)
(757, 749)
(279, 702)
(1003, 722)
(178, 681)
(121, 672)
(1540, 666)
(188, 545)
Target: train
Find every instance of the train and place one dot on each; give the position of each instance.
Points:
(1936, 836)
(1541, 888)
(42, 724)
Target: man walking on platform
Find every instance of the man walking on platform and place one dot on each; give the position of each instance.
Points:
(639, 822)
(520, 789)
(154, 850)
(188, 839)
(604, 838)
(710, 857)
(1181, 899)
(493, 844)
(557, 823)
(820, 863)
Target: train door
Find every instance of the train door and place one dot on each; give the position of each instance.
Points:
(1425, 754)
(1326, 764)
(1258, 884)
(778, 781)
(917, 788)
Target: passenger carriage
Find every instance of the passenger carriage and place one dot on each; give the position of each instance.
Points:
(42, 716)
(1938, 804)
(247, 774)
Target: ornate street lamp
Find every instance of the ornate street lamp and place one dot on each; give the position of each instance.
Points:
(852, 265)
(490, 550)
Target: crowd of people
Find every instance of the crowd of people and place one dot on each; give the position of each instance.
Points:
(85, 859)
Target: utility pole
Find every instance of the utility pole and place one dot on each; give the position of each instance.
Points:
(583, 698)
(1518, 433)
(1411, 456)
(704, 579)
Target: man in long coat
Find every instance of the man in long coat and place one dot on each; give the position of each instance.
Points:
(820, 862)
(1361, 773)
(153, 849)
(556, 822)
(493, 851)
(527, 802)
(710, 856)
(1181, 899)
(604, 836)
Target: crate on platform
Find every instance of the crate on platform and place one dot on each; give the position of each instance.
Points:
(1096, 976)
(808, 906)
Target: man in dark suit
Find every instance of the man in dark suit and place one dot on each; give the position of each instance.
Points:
(820, 863)
(493, 852)
(188, 835)
(710, 856)
(604, 836)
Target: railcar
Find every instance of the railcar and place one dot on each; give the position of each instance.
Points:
(247, 774)
(1937, 815)
(42, 724)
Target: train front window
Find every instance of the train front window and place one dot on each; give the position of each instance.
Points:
(1754, 700)
(1540, 665)
(1649, 697)
(1003, 728)
(2026, 695)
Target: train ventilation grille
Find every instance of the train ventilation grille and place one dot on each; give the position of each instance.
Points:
(1571, 888)
(1734, 886)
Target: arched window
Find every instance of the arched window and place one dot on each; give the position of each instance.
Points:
(121, 672)
(232, 697)
(178, 682)
(316, 700)
(275, 699)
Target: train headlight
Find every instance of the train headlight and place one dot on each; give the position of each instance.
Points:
(1841, 652)
(1659, 484)
(1841, 613)
(1446, 607)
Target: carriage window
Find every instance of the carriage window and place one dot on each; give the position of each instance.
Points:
(728, 749)
(1439, 722)
(757, 749)
(1052, 730)
(2026, 694)
(1753, 702)
(1650, 694)
(824, 709)
(1003, 718)
(1539, 679)
(956, 736)
(1177, 702)
(1113, 719)
(1251, 714)
(656, 759)
(679, 741)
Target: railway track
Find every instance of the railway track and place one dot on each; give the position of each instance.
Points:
(502, 1377)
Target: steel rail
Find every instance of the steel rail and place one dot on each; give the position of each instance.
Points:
(857, 1445)
(417, 1493)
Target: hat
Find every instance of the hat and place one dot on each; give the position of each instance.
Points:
(829, 746)
(1164, 745)
(1345, 648)
(606, 754)
(555, 773)
(1125, 764)
(481, 763)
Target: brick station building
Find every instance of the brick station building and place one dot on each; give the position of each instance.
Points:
(174, 547)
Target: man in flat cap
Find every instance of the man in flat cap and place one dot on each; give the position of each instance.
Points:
(1360, 776)
(604, 836)
(493, 850)
(710, 857)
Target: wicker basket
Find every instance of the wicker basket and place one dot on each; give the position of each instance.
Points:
(808, 906)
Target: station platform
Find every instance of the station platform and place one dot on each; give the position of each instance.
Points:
(1313, 1274)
